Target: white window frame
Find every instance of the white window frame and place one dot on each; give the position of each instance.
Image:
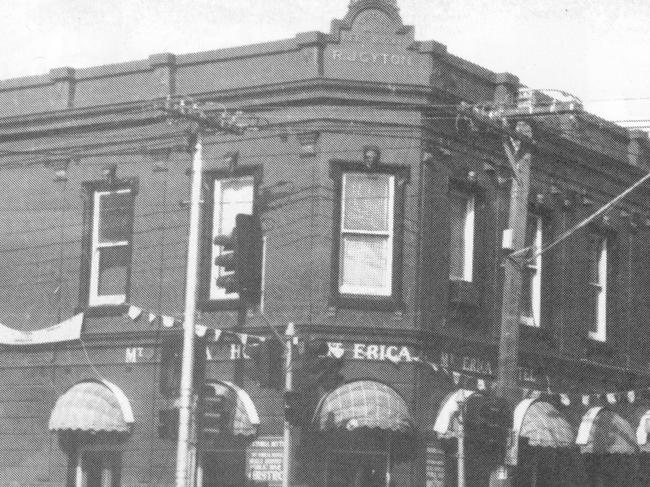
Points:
(388, 235)
(94, 298)
(535, 268)
(600, 333)
(469, 230)
(215, 292)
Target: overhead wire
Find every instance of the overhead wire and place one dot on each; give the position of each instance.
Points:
(603, 209)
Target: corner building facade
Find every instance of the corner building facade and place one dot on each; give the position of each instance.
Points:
(383, 187)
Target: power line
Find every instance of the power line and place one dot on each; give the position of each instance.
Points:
(584, 222)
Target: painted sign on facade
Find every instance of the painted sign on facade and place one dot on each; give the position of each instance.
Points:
(264, 461)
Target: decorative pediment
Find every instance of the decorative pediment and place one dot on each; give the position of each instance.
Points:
(372, 17)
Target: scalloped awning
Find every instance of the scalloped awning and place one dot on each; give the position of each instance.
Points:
(244, 418)
(363, 404)
(94, 406)
(604, 431)
(542, 424)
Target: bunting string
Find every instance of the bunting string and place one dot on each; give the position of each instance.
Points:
(590, 399)
(214, 334)
(458, 378)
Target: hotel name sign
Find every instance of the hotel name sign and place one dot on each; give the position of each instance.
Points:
(372, 352)
(381, 352)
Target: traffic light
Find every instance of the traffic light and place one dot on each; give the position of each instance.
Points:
(168, 423)
(488, 419)
(295, 409)
(317, 367)
(215, 412)
(267, 359)
(241, 259)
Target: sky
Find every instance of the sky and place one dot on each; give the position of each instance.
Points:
(598, 50)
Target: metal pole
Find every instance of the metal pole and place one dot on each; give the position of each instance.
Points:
(461, 441)
(288, 387)
(186, 450)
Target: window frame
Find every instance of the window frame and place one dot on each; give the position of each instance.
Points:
(385, 235)
(469, 234)
(536, 286)
(211, 178)
(91, 246)
(383, 302)
(598, 327)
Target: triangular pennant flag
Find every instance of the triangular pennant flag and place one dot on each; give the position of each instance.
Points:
(243, 338)
(168, 321)
(456, 376)
(201, 330)
(565, 400)
(611, 398)
(631, 396)
(134, 312)
(151, 317)
(217, 335)
(586, 400)
(480, 384)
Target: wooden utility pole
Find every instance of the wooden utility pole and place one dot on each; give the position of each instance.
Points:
(519, 157)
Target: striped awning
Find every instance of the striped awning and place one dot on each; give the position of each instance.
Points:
(446, 425)
(363, 404)
(542, 424)
(244, 419)
(639, 418)
(94, 406)
(604, 431)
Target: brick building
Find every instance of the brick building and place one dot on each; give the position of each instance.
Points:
(383, 200)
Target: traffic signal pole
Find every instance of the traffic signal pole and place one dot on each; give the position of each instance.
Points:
(186, 448)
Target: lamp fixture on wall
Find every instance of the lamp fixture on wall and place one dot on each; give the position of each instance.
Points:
(371, 157)
(109, 172)
(231, 159)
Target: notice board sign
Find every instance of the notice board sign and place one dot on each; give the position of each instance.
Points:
(435, 467)
(264, 461)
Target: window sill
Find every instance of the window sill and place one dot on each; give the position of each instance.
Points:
(104, 310)
(219, 305)
(464, 293)
(535, 333)
(367, 303)
(597, 347)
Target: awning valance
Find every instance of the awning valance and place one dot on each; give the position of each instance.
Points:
(446, 424)
(94, 406)
(604, 431)
(363, 404)
(542, 424)
(244, 419)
